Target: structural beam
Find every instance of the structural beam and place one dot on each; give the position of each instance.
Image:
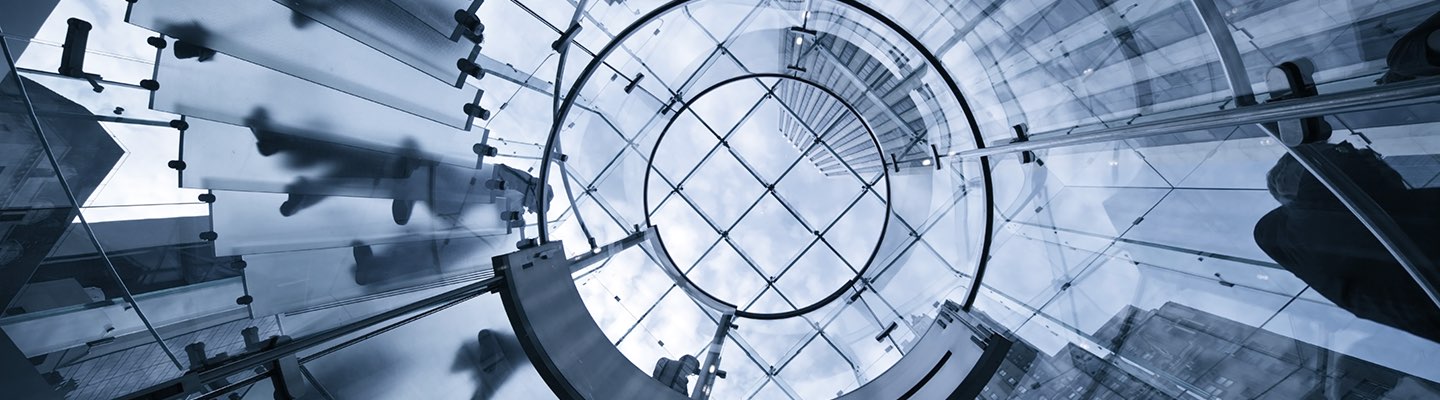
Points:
(1380, 97)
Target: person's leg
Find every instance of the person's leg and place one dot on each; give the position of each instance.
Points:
(400, 210)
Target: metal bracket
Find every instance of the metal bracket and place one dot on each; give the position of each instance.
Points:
(1288, 81)
(72, 56)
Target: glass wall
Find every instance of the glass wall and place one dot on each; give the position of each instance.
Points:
(325, 164)
(1211, 263)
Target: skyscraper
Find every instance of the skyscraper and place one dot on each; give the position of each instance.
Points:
(855, 199)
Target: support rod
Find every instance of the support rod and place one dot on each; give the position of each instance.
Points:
(712, 360)
(247, 362)
(1388, 96)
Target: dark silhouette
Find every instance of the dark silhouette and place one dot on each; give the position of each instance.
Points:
(1319, 240)
(1416, 54)
(676, 373)
(492, 360)
(191, 42)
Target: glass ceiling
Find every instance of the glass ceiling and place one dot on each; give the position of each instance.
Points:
(717, 148)
(1206, 261)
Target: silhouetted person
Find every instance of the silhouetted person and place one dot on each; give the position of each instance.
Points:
(487, 359)
(1416, 54)
(675, 374)
(523, 182)
(184, 50)
(1319, 240)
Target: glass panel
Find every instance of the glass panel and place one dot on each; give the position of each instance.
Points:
(621, 189)
(722, 190)
(680, 325)
(388, 28)
(853, 234)
(932, 195)
(344, 275)
(724, 274)
(853, 333)
(771, 390)
(115, 101)
(518, 38)
(273, 36)
(742, 374)
(603, 303)
(771, 238)
(689, 236)
(772, 341)
(1062, 64)
(229, 157)
(469, 350)
(233, 91)
(73, 322)
(64, 307)
(1312, 235)
(439, 14)
(818, 370)
(121, 73)
(816, 273)
(1175, 305)
(639, 284)
(252, 222)
(601, 144)
(518, 113)
(1362, 43)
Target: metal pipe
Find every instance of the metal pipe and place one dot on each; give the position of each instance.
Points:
(1388, 96)
(247, 361)
(712, 360)
(1370, 214)
(1230, 60)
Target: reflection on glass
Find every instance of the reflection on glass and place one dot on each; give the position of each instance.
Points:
(323, 175)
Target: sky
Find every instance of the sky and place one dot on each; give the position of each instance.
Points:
(1076, 279)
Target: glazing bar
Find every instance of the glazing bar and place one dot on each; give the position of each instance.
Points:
(1380, 97)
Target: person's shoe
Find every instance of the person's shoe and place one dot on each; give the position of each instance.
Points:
(401, 209)
(362, 252)
(287, 208)
(291, 205)
(267, 147)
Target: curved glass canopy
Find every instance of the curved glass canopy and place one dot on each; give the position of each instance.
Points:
(1164, 199)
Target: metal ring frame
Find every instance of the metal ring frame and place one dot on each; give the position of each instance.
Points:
(930, 58)
(874, 140)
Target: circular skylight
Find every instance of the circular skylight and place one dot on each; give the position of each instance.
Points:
(695, 136)
(758, 186)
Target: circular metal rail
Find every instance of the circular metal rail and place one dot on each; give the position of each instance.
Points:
(586, 74)
(695, 290)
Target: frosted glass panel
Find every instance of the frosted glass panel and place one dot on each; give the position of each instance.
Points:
(228, 157)
(438, 14)
(301, 280)
(268, 34)
(230, 90)
(249, 223)
(388, 28)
